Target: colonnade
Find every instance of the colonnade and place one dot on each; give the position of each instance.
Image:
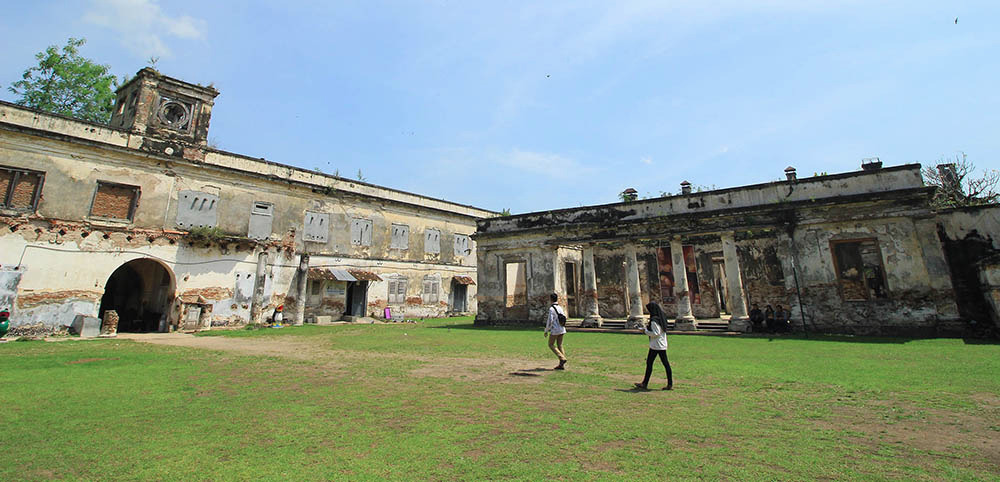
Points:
(736, 303)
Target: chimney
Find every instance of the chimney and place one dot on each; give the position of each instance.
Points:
(871, 164)
(790, 173)
(685, 187)
(949, 177)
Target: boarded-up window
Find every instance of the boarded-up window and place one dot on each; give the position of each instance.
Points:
(462, 244)
(432, 241)
(115, 201)
(400, 236)
(361, 232)
(432, 289)
(859, 269)
(316, 227)
(397, 290)
(20, 189)
(196, 209)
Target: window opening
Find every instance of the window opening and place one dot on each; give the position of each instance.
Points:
(860, 274)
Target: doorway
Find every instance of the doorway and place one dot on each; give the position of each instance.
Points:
(459, 297)
(570, 290)
(516, 291)
(357, 298)
(140, 292)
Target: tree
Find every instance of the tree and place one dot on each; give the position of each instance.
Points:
(956, 185)
(65, 83)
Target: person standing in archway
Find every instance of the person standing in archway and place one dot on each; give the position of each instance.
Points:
(555, 330)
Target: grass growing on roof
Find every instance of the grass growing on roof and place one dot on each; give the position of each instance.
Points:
(442, 399)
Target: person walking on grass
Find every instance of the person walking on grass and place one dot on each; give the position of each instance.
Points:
(657, 333)
(555, 330)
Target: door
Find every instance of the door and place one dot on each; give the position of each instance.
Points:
(357, 298)
(459, 293)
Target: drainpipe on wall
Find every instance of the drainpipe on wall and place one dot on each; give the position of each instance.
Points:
(300, 301)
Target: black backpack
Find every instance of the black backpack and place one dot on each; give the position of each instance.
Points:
(561, 317)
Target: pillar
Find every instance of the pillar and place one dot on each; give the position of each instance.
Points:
(634, 291)
(591, 313)
(257, 303)
(739, 321)
(300, 305)
(685, 318)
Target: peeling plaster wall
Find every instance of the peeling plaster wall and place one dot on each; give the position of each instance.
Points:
(783, 235)
(913, 306)
(971, 240)
(69, 259)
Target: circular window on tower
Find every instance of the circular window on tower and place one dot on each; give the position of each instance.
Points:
(174, 114)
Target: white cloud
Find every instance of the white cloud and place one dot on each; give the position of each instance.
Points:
(143, 26)
(550, 165)
(646, 160)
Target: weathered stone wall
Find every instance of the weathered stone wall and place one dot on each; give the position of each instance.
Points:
(66, 251)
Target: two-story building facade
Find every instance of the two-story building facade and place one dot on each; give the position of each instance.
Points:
(143, 218)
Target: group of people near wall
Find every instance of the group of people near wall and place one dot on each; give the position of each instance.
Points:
(656, 330)
(771, 320)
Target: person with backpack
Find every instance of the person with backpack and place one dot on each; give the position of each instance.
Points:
(555, 328)
(657, 333)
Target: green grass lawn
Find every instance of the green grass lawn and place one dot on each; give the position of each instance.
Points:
(443, 400)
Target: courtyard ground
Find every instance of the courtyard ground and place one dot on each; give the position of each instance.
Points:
(442, 399)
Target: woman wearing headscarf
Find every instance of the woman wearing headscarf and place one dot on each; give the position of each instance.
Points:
(657, 333)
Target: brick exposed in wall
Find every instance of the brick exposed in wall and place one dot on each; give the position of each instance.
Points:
(24, 191)
(5, 178)
(113, 201)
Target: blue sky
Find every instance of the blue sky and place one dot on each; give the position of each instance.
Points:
(542, 105)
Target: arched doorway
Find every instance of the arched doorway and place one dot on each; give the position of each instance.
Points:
(140, 292)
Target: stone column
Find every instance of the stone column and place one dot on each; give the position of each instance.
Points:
(257, 303)
(685, 318)
(300, 290)
(591, 313)
(635, 316)
(109, 326)
(739, 321)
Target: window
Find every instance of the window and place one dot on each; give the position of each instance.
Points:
(317, 227)
(432, 289)
(397, 289)
(196, 209)
(859, 269)
(462, 245)
(261, 218)
(432, 241)
(400, 237)
(361, 232)
(20, 189)
(316, 287)
(115, 201)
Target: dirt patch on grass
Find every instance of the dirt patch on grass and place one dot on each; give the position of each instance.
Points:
(970, 440)
(88, 360)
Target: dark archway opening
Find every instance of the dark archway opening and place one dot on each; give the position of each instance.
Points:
(140, 292)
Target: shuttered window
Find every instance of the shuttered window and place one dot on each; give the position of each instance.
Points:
(397, 290)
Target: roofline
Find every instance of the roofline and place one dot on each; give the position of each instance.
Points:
(902, 167)
(68, 137)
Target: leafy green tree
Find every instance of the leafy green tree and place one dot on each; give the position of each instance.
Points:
(65, 83)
